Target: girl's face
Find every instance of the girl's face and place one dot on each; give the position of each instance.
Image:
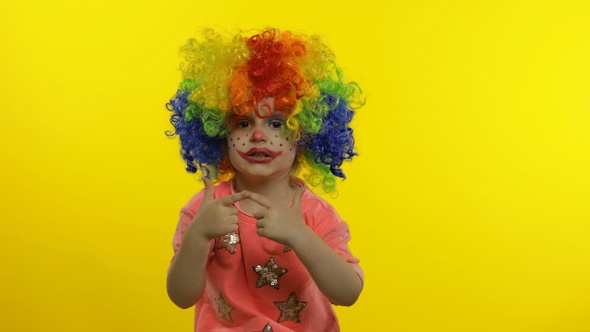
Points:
(257, 149)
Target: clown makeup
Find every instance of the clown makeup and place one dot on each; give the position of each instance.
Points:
(256, 143)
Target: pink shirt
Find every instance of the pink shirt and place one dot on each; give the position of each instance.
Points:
(256, 284)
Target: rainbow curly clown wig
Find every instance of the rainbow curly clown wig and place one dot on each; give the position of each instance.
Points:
(227, 76)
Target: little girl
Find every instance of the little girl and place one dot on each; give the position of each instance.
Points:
(260, 251)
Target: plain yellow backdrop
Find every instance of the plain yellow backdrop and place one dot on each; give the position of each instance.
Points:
(468, 203)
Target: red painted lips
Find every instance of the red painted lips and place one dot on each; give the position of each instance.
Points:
(259, 156)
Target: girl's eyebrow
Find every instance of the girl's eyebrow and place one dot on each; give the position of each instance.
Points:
(239, 117)
(276, 116)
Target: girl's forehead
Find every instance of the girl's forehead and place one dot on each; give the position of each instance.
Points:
(265, 107)
(254, 115)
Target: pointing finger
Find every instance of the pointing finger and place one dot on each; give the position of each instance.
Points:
(231, 199)
(260, 199)
(209, 191)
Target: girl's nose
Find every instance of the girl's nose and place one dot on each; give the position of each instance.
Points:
(258, 135)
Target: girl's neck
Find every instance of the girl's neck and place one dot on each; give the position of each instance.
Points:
(267, 187)
(278, 190)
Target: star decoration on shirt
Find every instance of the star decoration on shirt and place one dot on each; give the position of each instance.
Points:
(228, 242)
(269, 274)
(291, 309)
(267, 328)
(223, 309)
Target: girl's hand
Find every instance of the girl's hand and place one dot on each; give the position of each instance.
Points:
(335, 278)
(216, 217)
(282, 224)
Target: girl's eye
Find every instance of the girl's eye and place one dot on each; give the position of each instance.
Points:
(243, 124)
(276, 124)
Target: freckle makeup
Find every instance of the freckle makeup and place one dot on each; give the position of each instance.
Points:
(260, 143)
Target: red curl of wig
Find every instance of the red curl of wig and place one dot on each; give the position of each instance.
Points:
(272, 70)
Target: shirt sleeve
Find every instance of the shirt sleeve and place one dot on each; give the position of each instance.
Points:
(187, 213)
(337, 238)
(334, 231)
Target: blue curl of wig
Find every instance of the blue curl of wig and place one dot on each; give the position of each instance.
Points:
(334, 143)
(196, 146)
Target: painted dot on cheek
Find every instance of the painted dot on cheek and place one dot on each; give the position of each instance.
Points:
(243, 144)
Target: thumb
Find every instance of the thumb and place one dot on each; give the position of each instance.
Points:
(209, 191)
(297, 196)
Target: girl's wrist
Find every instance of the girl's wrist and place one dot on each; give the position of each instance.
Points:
(301, 239)
(197, 232)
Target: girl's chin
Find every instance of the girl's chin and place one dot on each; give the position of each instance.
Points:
(261, 175)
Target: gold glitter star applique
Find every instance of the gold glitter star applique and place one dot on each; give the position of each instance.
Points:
(228, 242)
(290, 309)
(267, 328)
(223, 309)
(269, 274)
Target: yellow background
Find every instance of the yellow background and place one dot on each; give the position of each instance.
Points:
(468, 203)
